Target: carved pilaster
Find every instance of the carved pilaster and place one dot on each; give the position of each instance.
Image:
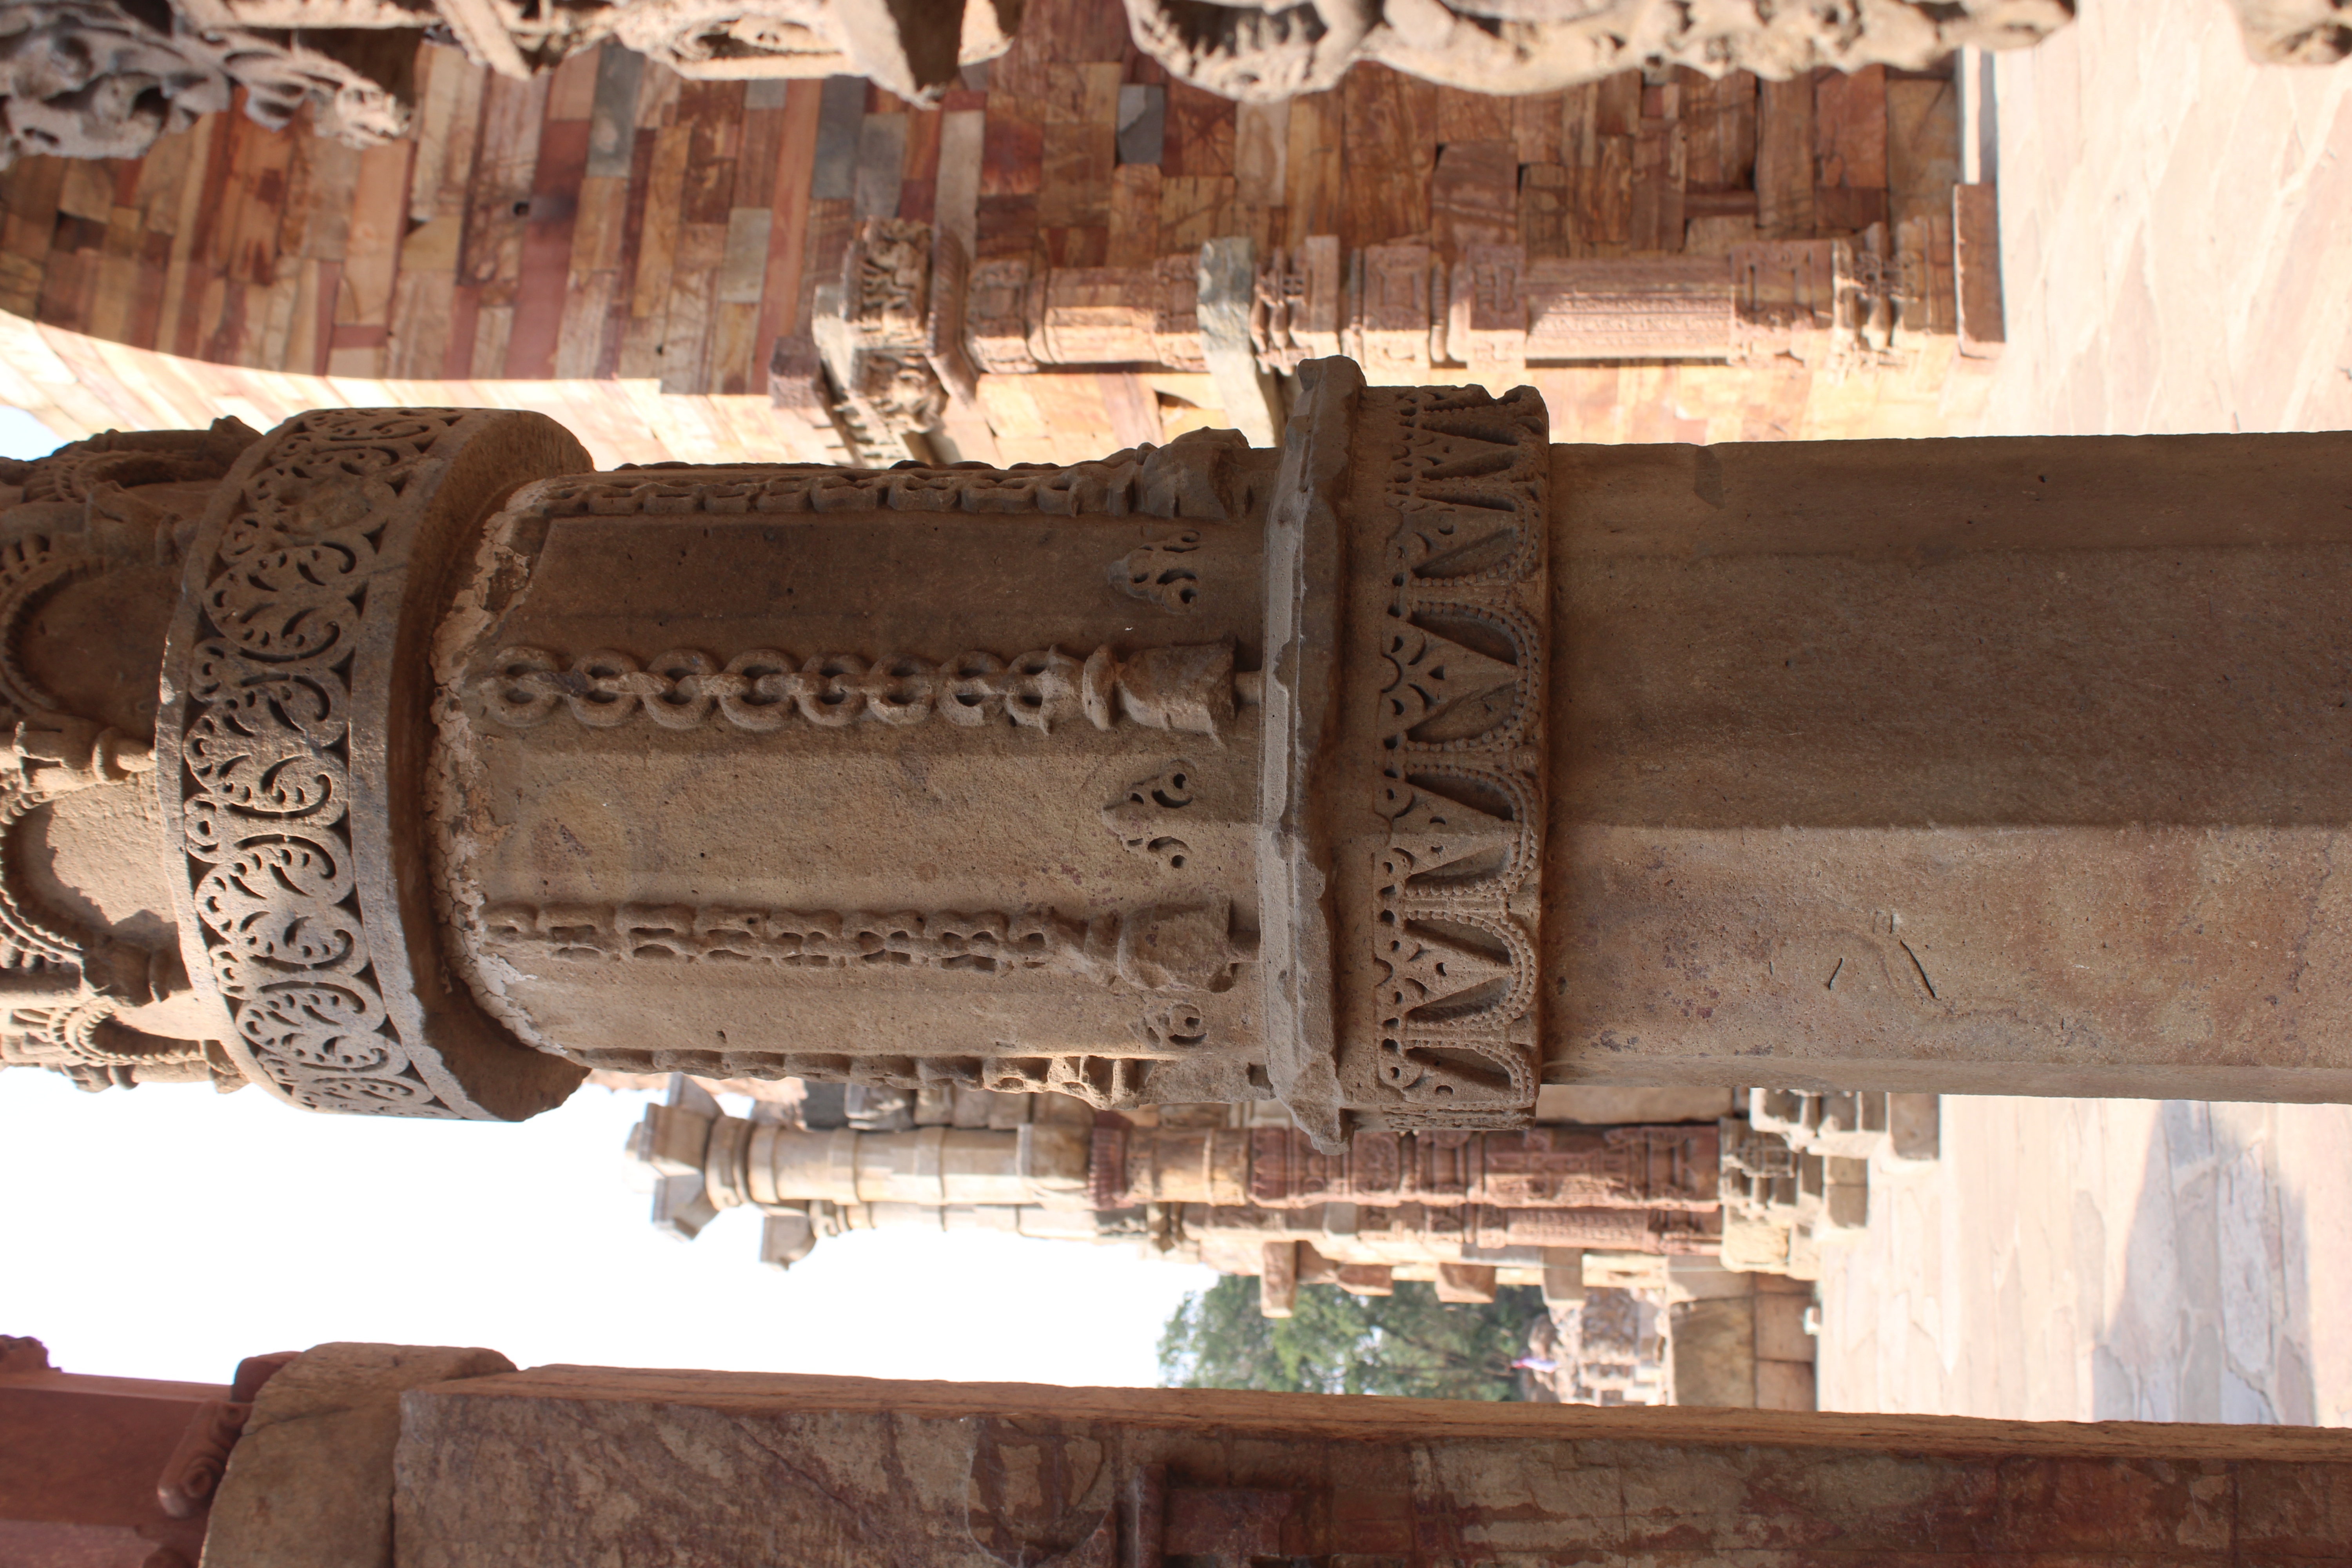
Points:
(85, 78)
(88, 571)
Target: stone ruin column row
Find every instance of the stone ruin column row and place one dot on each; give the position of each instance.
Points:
(1420, 1204)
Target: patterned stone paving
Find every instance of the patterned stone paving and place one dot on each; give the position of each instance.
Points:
(2079, 1260)
(2177, 238)
(2176, 231)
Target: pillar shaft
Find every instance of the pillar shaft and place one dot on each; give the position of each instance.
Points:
(1988, 766)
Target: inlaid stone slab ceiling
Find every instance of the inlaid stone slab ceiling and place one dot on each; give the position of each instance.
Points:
(547, 229)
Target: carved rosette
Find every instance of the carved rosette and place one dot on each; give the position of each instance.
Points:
(292, 702)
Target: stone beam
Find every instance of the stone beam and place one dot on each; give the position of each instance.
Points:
(571, 1465)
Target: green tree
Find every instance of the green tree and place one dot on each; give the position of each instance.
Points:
(1337, 1342)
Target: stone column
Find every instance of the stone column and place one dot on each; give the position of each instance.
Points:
(1390, 776)
(1226, 1195)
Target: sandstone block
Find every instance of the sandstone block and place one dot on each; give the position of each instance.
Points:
(310, 1484)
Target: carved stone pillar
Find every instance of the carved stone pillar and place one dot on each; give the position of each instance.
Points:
(1387, 775)
(1545, 1167)
(816, 1182)
(296, 719)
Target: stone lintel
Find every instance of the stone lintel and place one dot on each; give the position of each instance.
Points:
(309, 1482)
(570, 1464)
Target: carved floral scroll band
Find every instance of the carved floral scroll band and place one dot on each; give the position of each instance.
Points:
(1192, 688)
(265, 754)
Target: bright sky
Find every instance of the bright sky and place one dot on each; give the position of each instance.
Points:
(168, 1231)
(24, 438)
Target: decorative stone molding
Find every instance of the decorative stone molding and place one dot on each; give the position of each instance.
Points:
(854, 902)
(1187, 689)
(1021, 318)
(1505, 46)
(1154, 949)
(1456, 937)
(193, 1470)
(1429, 710)
(75, 996)
(1158, 572)
(86, 79)
(1191, 477)
(290, 693)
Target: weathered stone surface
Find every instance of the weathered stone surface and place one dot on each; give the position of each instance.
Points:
(2009, 767)
(88, 79)
(309, 1483)
(2294, 32)
(571, 1465)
